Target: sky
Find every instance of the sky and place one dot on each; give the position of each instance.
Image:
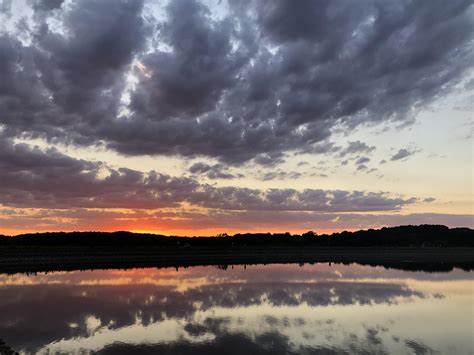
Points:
(190, 117)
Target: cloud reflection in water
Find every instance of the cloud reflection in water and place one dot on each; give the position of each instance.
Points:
(264, 309)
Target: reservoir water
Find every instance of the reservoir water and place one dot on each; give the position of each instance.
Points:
(268, 309)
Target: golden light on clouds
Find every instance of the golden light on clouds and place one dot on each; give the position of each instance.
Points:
(111, 122)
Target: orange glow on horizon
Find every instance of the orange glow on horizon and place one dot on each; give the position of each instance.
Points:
(204, 232)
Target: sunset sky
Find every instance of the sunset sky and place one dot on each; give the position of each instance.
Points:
(202, 117)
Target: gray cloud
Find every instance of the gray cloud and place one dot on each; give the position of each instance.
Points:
(403, 153)
(189, 80)
(48, 179)
(47, 5)
(199, 168)
(216, 171)
(67, 84)
(35, 178)
(362, 160)
(269, 159)
(269, 78)
(280, 175)
(356, 147)
(361, 163)
(236, 198)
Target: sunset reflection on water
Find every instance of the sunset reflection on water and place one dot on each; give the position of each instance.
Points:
(259, 309)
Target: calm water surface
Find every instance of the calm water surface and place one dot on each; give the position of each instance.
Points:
(241, 310)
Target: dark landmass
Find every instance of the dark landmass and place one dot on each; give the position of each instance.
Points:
(403, 236)
(5, 349)
(425, 247)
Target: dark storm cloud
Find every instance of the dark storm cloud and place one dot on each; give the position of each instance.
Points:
(356, 62)
(86, 74)
(68, 83)
(189, 80)
(271, 77)
(48, 179)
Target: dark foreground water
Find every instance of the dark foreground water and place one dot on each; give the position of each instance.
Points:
(241, 310)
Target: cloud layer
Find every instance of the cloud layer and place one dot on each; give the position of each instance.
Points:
(267, 77)
(49, 179)
(238, 84)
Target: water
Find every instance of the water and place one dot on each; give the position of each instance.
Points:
(241, 310)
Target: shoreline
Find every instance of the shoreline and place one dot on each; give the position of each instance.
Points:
(41, 259)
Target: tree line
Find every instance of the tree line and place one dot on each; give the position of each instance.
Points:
(402, 236)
